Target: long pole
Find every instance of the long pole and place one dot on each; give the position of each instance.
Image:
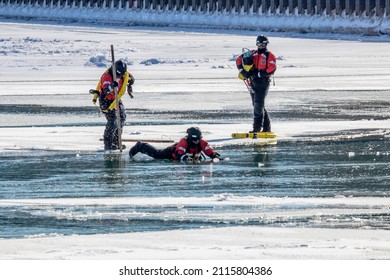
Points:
(118, 118)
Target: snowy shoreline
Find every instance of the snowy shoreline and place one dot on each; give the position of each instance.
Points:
(212, 244)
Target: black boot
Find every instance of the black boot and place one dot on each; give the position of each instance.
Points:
(256, 127)
(267, 129)
(108, 145)
(116, 147)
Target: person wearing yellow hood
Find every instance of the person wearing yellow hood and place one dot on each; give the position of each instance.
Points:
(255, 68)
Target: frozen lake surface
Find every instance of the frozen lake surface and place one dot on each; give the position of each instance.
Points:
(320, 192)
(328, 180)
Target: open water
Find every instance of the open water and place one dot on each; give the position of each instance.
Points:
(329, 182)
(317, 184)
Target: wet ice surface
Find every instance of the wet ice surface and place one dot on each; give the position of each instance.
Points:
(200, 108)
(336, 180)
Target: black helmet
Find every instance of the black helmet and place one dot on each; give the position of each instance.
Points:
(247, 60)
(194, 134)
(262, 40)
(120, 67)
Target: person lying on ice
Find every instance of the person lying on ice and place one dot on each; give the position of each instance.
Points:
(189, 148)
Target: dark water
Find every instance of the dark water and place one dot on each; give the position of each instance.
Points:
(45, 192)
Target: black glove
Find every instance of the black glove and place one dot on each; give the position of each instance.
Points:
(254, 73)
(187, 158)
(113, 85)
(216, 158)
(215, 155)
(262, 74)
(105, 91)
(245, 74)
(131, 80)
(130, 90)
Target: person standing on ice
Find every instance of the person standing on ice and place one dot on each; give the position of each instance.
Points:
(255, 68)
(189, 148)
(106, 94)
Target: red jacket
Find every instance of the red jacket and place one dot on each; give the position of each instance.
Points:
(105, 81)
(182, 148)
(260, 62)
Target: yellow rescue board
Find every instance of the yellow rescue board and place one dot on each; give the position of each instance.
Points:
(254, 135)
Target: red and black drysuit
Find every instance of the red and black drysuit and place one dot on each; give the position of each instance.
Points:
(182, 150)
(264, 65)
(106, 97)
